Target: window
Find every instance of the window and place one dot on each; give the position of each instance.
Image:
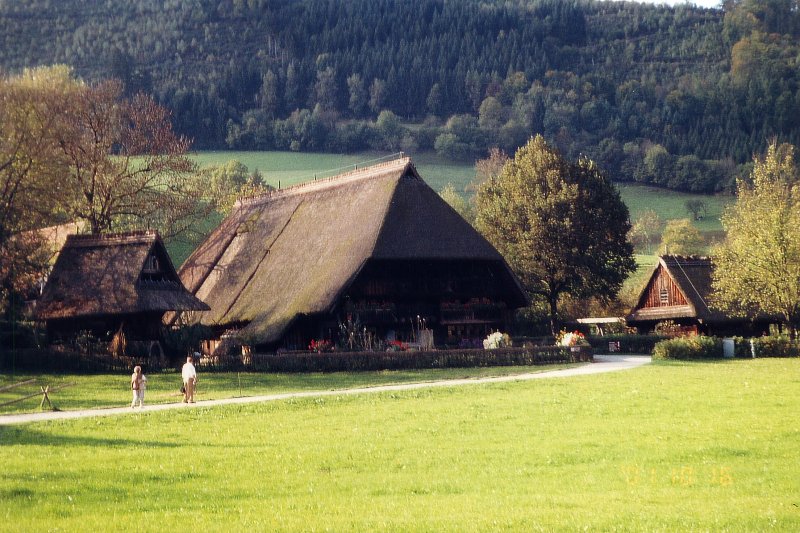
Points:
(151, 265)
(664, 296)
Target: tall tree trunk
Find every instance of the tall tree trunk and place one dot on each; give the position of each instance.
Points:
(553, 301)
(792, 321)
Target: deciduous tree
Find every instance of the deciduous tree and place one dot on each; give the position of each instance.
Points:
(758, 264)
(697, 208)
(30, 171)
(226, 183)
(681, 237)
(645, 227)
(457, 201)
(561, 226)
(126, 167)
(358, 95)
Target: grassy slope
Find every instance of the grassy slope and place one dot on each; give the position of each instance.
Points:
(670, 447)
(291, 168)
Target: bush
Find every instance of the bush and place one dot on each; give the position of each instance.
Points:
(701, 347)
(694, 347)
(779, 346)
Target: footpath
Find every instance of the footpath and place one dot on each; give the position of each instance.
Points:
(601, 365)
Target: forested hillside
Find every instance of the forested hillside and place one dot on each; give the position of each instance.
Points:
(676, 97)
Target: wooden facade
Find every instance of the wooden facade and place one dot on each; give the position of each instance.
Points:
(663, 291)
(677, 299)
(458, 302)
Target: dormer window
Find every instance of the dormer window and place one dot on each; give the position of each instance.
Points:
(153, 272)
(151, 266)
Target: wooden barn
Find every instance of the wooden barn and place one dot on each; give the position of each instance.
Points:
(374, 250)
(678, 291)
(118, 284)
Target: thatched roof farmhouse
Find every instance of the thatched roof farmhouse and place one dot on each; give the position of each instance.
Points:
(679, 290)
(101, 283)
(376, 245)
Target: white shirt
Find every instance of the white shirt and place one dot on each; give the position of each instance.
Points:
(188, 371)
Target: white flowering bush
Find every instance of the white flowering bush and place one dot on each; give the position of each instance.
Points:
(572, 338)
(496, 340)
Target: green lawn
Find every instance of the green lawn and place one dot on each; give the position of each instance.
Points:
(672, 205)
(669, 447)
(636, 281)
(111, 390)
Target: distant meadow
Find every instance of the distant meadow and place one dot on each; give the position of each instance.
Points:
(291, 168)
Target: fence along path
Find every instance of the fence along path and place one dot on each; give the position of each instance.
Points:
(602, 364)
(44, 390)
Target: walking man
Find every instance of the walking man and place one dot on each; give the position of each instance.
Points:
(189, 375)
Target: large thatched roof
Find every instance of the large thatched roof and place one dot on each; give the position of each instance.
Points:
(108, 274)
(293, 252)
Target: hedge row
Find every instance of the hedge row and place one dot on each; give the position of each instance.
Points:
(361, 361)
(628, 344)
(64, 361)
(38, 360)
(701, 347)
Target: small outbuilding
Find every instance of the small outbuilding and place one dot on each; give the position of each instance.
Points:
(115, 286)
(678, 292)
(373, 256)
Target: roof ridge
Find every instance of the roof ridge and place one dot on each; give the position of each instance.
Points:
(324, 183)
(104, 239)
(692, 257)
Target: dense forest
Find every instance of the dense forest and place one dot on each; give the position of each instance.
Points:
(679, 97)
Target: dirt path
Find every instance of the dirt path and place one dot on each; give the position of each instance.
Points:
(602, 364)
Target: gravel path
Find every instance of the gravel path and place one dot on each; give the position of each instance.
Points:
(602, 364)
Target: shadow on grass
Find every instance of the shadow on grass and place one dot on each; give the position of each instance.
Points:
(21, 435)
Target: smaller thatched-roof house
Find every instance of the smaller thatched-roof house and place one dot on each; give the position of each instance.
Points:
(679, 291)
(110, 283)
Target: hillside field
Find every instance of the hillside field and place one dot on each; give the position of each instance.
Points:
(290, 168)
(673, 446)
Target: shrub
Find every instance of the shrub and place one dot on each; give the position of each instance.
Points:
(779, 346)
(694, 347)
(572, 338)
(496, 340)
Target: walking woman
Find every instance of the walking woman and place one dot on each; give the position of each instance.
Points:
(138, 384)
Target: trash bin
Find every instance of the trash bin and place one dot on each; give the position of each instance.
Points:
(728, 348)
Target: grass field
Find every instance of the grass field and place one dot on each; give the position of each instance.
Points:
(636, 281)
(112, 390)
(668, 447)
(291, 167)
